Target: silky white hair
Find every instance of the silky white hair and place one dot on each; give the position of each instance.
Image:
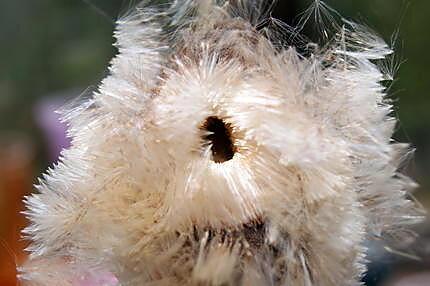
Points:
(216, 154)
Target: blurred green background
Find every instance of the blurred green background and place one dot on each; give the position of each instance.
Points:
(59, 48)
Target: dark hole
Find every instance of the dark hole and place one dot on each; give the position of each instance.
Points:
(220, 139)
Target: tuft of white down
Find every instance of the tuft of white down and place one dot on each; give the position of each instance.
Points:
(150, 193)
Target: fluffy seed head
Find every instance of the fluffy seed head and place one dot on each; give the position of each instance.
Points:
(216, 154)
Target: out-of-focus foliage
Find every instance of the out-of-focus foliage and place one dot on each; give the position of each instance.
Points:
(47, 46)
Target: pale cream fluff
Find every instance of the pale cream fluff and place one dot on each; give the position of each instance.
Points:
(213, 155)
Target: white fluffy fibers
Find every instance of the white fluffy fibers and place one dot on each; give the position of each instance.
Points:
(213, 154)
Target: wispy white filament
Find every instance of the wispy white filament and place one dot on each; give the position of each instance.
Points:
(149, 193)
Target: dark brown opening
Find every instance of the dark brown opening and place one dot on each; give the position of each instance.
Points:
(220, 139)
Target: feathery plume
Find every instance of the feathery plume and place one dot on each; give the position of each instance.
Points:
(216, 154)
